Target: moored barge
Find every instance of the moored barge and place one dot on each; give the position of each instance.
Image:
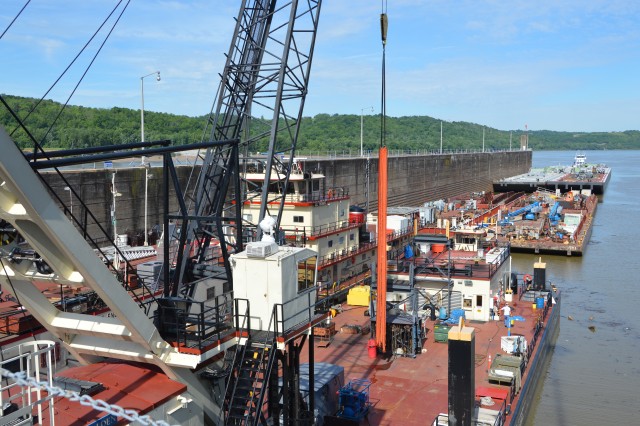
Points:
(580, 176)
(548, 223)
(414, 383)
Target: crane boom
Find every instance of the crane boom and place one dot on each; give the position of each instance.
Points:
(266, 74)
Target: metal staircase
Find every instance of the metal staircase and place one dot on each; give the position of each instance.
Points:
(251, 371)
(250, 380)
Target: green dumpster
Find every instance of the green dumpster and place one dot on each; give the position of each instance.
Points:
(441, 333)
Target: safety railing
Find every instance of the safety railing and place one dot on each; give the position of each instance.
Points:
(305, 232)
(287, 316)
(25, 404)
(355, 153)
(341, 254)
(316, 197)
(192, 324)
(329, 290)
(242, 317)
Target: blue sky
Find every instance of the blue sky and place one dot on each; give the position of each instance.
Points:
(570, 65)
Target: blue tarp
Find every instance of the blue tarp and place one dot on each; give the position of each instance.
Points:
(408, 252)
(454, 318)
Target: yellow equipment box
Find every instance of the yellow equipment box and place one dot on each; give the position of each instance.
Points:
(359, 296)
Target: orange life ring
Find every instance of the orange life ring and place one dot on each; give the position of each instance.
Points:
(528, 277)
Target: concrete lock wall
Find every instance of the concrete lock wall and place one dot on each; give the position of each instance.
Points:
(94, 187)
(413, 180)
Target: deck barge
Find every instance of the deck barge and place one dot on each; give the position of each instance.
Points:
(542, 222)
(567, 235)
(412, 389)
(593, 180)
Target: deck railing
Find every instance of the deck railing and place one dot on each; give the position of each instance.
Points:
(341, 254)
(334, 193)
(287, 316)
(355, 153)
(331, 290)
(192, 324)
(304, 232)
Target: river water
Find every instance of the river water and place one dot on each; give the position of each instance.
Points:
(594, 374)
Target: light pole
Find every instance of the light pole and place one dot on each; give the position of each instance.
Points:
(362, 130)
(144, 164)
(113, 208)
(142, 101)
(114, 193)
(66, 188)
(147, 176)
(483, 139)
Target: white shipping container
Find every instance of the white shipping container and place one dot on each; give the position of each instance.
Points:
(397, 223)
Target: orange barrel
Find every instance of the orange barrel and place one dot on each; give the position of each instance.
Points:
(437, 248)
(373, 350)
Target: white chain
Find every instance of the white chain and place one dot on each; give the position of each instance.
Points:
(97, 404)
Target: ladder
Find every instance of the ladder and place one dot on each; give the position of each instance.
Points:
(247, 386)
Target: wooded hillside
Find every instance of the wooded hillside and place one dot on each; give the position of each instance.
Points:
(77, 126)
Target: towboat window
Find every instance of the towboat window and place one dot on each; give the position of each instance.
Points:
(306, 273)
(315, 185)
(298, 219)
(467, 240)
(330, 243)
(351, 237)
(467, 303)
(478, 301)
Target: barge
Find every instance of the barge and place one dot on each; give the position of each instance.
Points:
(539, 222)
(417, 381)
(580, 176)
(544, 222)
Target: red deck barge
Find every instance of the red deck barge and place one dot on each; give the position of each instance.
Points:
(413, 391)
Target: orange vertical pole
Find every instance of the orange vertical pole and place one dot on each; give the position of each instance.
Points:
(381, 311)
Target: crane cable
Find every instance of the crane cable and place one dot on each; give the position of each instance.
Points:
(21, 122)
(15, 18)
(383, 100)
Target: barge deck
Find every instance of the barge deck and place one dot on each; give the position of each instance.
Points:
(413, 391)
(593, 180)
